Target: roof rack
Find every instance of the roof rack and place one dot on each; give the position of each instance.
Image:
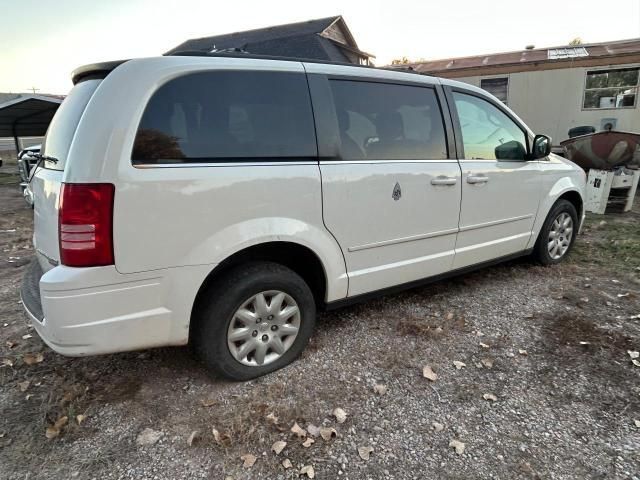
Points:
(101, 70)
(237, 53)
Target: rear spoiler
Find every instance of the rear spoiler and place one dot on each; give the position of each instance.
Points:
(94, 70)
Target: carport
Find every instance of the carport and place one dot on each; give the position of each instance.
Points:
(27, 116)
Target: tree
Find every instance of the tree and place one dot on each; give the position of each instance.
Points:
(576, 41)
(400, 61)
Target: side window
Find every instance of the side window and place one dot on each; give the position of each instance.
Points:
(379, 121)
(487, 132)
(227, 116)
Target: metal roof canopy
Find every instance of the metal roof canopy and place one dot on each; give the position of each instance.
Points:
(27, 116)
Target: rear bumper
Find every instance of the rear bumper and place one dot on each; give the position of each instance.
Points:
(90, 311)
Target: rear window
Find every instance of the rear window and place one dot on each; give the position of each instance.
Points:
(227, 116)
(63, 126)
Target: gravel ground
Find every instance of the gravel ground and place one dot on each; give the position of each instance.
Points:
(547, 389)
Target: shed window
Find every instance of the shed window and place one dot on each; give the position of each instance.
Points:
(498, 87)
(611, 88)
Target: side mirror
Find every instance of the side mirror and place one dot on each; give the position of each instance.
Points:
(512, 150)
(541, 147)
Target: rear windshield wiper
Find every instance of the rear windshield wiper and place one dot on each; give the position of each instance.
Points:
(41, 158)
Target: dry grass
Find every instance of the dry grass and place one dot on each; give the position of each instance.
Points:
(430, 328)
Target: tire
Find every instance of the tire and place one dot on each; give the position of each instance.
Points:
(543, 251)
(232, 303)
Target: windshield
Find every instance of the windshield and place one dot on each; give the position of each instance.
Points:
(63, 126)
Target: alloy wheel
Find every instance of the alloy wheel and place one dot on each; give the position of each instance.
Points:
(264, 328)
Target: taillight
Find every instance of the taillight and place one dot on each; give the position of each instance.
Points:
(85, 224)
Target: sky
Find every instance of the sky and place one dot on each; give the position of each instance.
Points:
(42, 41)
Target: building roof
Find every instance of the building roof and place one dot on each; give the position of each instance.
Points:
(594, 54)
(28, 115)
(299, 40)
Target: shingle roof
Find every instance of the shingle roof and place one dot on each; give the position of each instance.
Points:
(251, 38)
(524, 58)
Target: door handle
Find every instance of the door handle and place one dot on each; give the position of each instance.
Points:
(477, 179)
(442, 180)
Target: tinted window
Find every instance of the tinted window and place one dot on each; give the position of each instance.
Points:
(378, 121)
(218, 116)
(487, 132)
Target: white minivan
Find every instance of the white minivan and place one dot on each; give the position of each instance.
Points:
(222, 199)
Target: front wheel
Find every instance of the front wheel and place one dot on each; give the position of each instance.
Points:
(253, 320)
(558, 233)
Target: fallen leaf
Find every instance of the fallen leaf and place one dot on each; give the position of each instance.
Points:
(449, 316)
(633, 354)
(278, 446)
(429, 374)
(27, 336)
(313, 430)
(365, 452)
(637, 422)
(10, 344)
(522, 352)
(438, 427)
(80, 418)
(248, 460)
(340, 415)
(308, 471)
(31, 359)
(208, 402)
(271, 418)
(308, 442)
(286, 463)
(459, 365)
(54, 430)
(484, 345)
(458, 445)
(490, 396)
(192, 438)
(68, 397)
(148, 436)
(635, 362)
(328, 433)
(223, 439)
(487, 362)
(7, 362)
(380, 389)
(300, 432)
(622, 295)
(24, 385)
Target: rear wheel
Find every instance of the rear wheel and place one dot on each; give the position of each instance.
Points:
(253, 320)
(558, 233)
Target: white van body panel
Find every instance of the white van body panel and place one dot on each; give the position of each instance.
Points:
(196, 197)
(558, 177)
(173, 224)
